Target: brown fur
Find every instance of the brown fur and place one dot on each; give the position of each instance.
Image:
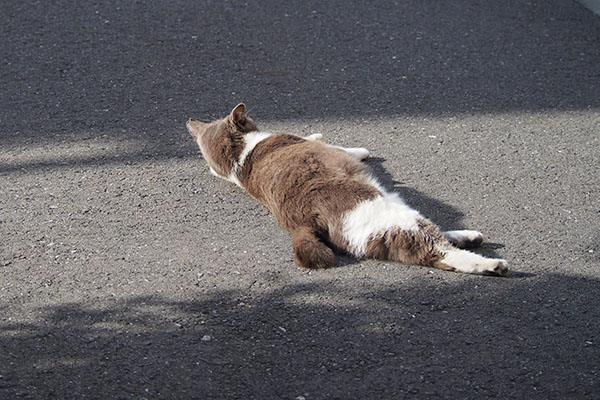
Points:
(328, 184)
(410, 247)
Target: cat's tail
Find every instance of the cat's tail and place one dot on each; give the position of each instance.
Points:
(310, 251)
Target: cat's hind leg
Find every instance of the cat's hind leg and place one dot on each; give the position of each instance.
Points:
(457, 259)
(464, 239)
(471, 263)
(425, 245)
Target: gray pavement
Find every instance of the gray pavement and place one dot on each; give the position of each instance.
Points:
(128, 271)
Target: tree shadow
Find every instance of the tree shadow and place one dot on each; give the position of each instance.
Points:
(140, 70)
(478, 338)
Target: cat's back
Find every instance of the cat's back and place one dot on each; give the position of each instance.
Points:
(289, 160)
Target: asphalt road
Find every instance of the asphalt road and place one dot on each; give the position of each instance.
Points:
(128, 271)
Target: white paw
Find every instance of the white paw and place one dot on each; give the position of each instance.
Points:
(314, 136)
(358, 152)
(497, 267)
(464, 238)
(471, 263)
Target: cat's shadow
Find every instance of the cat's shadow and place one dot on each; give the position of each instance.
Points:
(445, 215)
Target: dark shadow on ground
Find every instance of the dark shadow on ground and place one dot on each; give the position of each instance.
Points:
(139, 70)
(425, 340)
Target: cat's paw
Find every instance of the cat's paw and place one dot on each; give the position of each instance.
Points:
(497, 267)
(314, 136)
(464, 238)
(360, 153)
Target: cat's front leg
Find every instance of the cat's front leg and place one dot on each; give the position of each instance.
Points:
(314, 136)
(360, 153)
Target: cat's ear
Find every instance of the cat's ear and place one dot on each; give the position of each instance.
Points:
(241, 121)
(238, 115)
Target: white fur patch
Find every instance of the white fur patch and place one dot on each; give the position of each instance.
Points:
(373, 217)
(251, 140)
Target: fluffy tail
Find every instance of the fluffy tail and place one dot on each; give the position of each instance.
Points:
(310, 251)
(422, 246)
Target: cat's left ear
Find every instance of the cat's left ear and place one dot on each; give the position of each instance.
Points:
(239, 118)
(238, 115)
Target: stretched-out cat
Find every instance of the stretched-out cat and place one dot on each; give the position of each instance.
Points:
(329, 200)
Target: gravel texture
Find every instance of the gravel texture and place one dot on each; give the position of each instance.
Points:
(128, 271)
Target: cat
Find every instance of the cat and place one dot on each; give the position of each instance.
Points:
(329, 201)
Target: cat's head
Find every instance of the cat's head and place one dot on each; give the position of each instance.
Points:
(222, 141)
